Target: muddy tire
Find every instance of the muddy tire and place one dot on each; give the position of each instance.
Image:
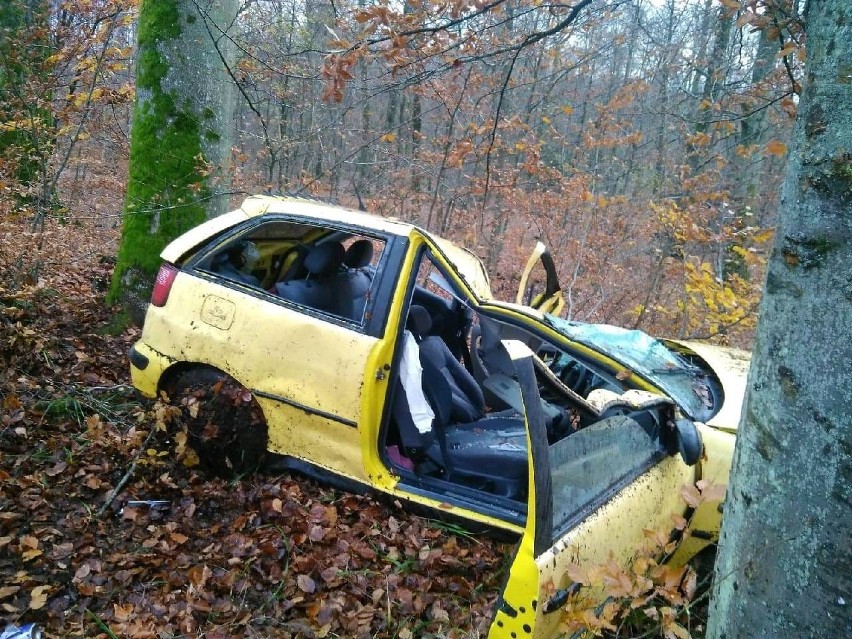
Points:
(223, 421)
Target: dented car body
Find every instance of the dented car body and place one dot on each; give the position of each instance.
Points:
(371, 353)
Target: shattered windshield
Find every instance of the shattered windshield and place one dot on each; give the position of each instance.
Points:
(681, 380)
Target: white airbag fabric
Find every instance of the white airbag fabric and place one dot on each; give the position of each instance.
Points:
(411, 375)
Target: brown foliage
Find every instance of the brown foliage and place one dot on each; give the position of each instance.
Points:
(263, 556)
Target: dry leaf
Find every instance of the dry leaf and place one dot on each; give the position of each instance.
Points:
(38, 597)
(306, 584)
(6, 591)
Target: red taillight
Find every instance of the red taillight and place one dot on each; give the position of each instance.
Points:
(163, 284)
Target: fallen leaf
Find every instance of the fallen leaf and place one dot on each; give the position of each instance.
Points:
(6, 591)
(38, 597)
(306, 584)
(53, 471)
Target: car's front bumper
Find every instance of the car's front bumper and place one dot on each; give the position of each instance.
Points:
(147, 367)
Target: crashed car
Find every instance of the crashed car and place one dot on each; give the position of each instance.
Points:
(370, 353)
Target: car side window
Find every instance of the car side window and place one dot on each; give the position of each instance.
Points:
(582, 468)
(321, 268)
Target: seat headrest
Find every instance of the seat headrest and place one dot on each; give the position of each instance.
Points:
(359, 254)
(419, 321)
(324, 258)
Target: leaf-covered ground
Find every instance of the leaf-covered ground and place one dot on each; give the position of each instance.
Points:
(266, 556)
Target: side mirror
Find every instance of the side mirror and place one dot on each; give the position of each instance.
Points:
(689, 443)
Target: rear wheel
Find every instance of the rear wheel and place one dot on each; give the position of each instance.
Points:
(224, 423)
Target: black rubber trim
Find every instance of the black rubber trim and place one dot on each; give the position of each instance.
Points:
(278, 463)
(560, 598)
(137, 359)
(702, 534)
(307, 409)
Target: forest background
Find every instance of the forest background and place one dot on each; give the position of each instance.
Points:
(643, 142)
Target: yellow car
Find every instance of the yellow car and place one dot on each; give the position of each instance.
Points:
(370, 353)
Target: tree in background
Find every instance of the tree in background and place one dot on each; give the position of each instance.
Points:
(181, 137)
(643, 142)
(62, 66)
(25, 115)
(785, 558)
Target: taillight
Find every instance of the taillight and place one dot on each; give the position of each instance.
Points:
(163, 284)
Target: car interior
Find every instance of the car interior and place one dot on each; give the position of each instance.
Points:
(478, 435)
(475, 436)
(324, 269)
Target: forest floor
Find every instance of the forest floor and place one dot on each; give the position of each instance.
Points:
(264, 556)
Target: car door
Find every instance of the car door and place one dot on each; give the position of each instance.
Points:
(307, 365)
(539, 286)
(592, 496)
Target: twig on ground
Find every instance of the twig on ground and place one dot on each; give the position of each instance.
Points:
(126, 478)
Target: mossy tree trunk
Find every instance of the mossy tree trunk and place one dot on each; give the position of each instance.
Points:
(181, 135)
(785, 558)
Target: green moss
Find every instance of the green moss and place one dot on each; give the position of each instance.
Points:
(190, 19)
(166, 189)
(806, 252)
(211, 135)
(159, 20)
(843, 167)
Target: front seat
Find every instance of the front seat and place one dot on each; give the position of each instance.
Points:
(488, 452)
(353, 282)
(468, 402)
(317, 290)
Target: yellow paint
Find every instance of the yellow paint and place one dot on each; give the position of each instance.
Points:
(614, 530)
(342, 376)
(192, 238)
(147, 381)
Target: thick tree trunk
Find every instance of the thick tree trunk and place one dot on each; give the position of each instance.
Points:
(785, 559)
(181, 136)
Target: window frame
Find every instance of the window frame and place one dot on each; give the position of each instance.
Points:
(372, 323)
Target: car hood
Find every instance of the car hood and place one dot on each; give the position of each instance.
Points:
(731, 366)
(658, 363)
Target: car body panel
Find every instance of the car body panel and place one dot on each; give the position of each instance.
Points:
(231, 328)
(614, 530)
(715, 468)
(731, 366)
(613, 526)
(182, 245)
(325, 382)
(548, 300)
(468, 266)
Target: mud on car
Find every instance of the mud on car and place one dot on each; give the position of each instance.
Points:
(370, 353)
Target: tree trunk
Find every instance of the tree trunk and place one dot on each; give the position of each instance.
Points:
(785, 559)
(181, 136)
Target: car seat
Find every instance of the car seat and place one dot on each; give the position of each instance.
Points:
(236, 263)
(485, 451)
(353, 282)
(317, 290)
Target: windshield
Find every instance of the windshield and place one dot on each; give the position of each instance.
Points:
(681, 380)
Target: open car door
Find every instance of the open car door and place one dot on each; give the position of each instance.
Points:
(592, 497)
(539, 287)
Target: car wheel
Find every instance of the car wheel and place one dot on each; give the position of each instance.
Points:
(224, 423)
